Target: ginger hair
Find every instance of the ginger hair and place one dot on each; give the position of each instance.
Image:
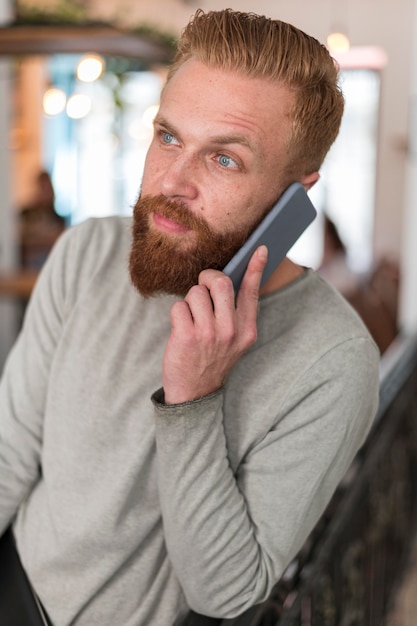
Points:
(257, 46)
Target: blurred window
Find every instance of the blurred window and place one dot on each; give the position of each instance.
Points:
(96, 146)
(346, 189)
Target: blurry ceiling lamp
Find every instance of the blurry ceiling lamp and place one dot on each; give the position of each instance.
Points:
(367, 57)
(139, 131)
(338, 42)
(78, 106)
(90, 68)
(54, 101)
(149, 114)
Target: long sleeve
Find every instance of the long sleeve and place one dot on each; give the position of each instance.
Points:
(24, 388)
(231, 533)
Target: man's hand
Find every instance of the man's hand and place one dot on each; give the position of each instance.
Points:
(211, 331)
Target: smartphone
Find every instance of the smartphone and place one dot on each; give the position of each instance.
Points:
(279, 230)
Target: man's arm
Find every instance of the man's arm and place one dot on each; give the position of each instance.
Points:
(230, 534)
(24, 388)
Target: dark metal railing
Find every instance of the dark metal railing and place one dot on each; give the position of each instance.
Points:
(349, 568)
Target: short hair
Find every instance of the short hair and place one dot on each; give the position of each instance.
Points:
(257, 46)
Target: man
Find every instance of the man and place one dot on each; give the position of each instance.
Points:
(171, 447)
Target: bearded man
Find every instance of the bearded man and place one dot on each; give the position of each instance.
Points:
(165, 444)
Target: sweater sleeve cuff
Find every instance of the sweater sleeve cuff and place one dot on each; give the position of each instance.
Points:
(158, 400)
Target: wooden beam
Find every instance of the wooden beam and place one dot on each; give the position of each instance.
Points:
(102, 39)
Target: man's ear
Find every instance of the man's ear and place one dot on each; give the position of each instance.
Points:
(310, 180)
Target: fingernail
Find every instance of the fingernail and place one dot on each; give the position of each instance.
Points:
(263, 253)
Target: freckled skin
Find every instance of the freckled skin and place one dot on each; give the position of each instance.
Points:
(223, 157)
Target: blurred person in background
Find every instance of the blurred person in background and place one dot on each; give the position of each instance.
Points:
(39, 224)
(373, 294)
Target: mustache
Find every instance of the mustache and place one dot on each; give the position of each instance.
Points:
(171, 209)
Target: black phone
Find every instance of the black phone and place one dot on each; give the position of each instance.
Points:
(279, 230)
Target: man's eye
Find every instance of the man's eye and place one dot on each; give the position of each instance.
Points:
(168, 138)
(227, 162)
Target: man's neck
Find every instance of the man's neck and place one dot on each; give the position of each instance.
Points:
(286, 272)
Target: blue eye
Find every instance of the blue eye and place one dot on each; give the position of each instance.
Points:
(226, 161)
(168, 138)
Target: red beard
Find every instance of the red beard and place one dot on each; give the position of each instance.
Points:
(161, 263)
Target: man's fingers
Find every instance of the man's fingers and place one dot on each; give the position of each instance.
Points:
(210, 332)
(249, 289)
(221, 290)
(181, 316)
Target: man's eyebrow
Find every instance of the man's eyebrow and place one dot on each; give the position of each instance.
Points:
(221, 140)
(161, 121)
(230, 139)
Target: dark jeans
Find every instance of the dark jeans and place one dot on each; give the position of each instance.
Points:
(19, 605)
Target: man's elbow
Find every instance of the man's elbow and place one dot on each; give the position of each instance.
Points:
(227, 601)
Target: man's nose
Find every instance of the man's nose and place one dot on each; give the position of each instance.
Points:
(180, 178)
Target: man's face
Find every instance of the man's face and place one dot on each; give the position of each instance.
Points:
(213, 169)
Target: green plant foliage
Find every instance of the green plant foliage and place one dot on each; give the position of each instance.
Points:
(156, 35)
(67, 12)
(63, 12)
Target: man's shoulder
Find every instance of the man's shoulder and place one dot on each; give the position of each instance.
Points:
(109, 230)
(311, 316)
(98, 240)
(89, 251)
(333, 312)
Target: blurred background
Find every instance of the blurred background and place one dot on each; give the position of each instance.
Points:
(80, 84)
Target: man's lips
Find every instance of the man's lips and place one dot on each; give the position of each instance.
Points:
(167, 225)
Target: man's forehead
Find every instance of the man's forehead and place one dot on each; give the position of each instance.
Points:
(231, 98)
(199, 81)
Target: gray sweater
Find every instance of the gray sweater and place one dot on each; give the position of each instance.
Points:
(130, 511)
